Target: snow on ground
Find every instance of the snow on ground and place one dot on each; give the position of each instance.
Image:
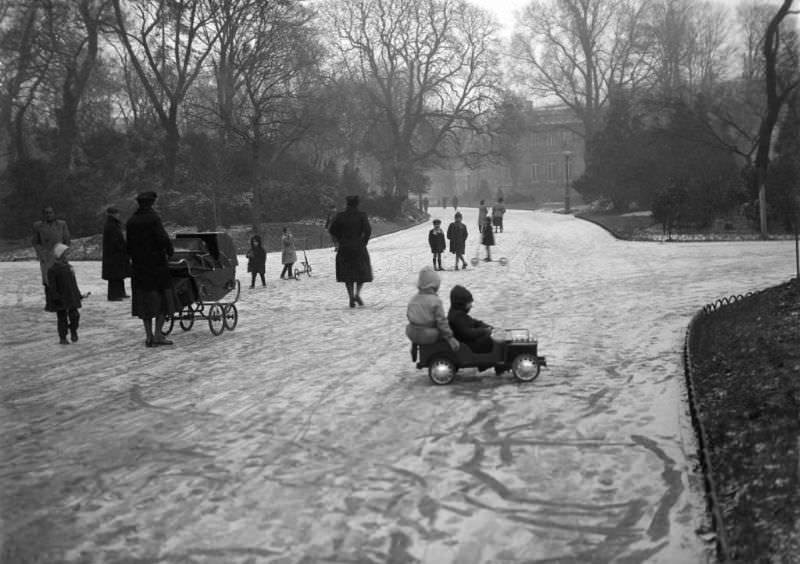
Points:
(307, 434)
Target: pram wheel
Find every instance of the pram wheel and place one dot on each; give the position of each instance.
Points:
(169, 323)
(186, 317)
(297, 274)
(216, 319)
(231, 318)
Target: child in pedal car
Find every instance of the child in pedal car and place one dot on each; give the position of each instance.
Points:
(474, 333)
(427, 322)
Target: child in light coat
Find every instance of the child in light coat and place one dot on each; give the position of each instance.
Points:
(427, 321)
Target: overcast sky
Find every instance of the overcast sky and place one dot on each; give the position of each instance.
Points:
(504, 9)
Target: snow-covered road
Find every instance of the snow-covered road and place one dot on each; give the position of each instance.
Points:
(307, 435)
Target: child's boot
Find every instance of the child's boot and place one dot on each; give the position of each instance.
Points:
(73, 335)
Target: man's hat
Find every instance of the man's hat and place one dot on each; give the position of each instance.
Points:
(148, 196)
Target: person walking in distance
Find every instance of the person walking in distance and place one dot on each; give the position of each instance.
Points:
(498, 211)
(487, 238)
(256, 261)
(457, 234)
(437, 243)
(47, 233)
(288, 254)
(149, 246)
(351, 231)
(116, 266)
(483, 212)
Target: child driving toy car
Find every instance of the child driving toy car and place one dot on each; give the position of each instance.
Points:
(474, 333)
(427, 322)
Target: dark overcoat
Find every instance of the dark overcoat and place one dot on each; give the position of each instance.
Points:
(148, 246)
(62, 291)
(257, 259)
(457, 234)
(436, 241)
(116, 263)
(351, 230)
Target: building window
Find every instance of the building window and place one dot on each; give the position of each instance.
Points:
(551, 171)
(535, 171)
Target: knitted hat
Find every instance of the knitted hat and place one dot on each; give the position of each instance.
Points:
(460, 296)
(428, 279)
(59, 249)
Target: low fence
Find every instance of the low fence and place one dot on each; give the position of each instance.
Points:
(712, 494)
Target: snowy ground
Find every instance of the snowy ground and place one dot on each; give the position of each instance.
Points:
(307, 435)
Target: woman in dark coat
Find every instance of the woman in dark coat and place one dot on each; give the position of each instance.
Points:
(116, 263)
(149, 246)
(351, 230)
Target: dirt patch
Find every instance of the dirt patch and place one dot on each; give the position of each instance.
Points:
(746, 363)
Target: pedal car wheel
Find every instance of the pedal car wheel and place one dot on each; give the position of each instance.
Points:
(441, 371)
(169, 323)
(187, 318)
(297, 273)
(231, 318)
(525, 367)
(308, 270)
(216, 319)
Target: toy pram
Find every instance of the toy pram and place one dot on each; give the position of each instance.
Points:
(203, 270)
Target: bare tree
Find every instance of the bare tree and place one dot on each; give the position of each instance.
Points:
(429, 70)
(778, 88)
(25, 62)
(691, 48)
(265, 69)
(577, 51)
(73, 30)
(167, 45)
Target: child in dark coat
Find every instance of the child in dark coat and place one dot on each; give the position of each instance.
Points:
(487, 238)
(63, 295)
(474, 333)
(256, 260)
(437, 243)
(457, 233)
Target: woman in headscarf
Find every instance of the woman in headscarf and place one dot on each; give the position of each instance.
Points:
(351, 231)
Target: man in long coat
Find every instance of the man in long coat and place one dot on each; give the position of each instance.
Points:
(149, 246)
(351, 231)
(47, 233)
(116, 263)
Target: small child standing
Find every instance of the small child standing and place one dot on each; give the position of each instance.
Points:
(427, 322)
(63, 295)
(256, 260)
(487, 238)
(437, 243)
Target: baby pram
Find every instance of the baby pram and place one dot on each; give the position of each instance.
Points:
(203, 270)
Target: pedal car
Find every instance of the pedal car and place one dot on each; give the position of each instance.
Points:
(514, 349)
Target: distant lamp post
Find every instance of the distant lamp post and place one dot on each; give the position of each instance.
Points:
(567, 155)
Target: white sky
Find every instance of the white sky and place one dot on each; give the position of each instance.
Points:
(504, 9)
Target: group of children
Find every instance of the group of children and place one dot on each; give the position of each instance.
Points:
(427, 322)
(257, 258)
(457, 234)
